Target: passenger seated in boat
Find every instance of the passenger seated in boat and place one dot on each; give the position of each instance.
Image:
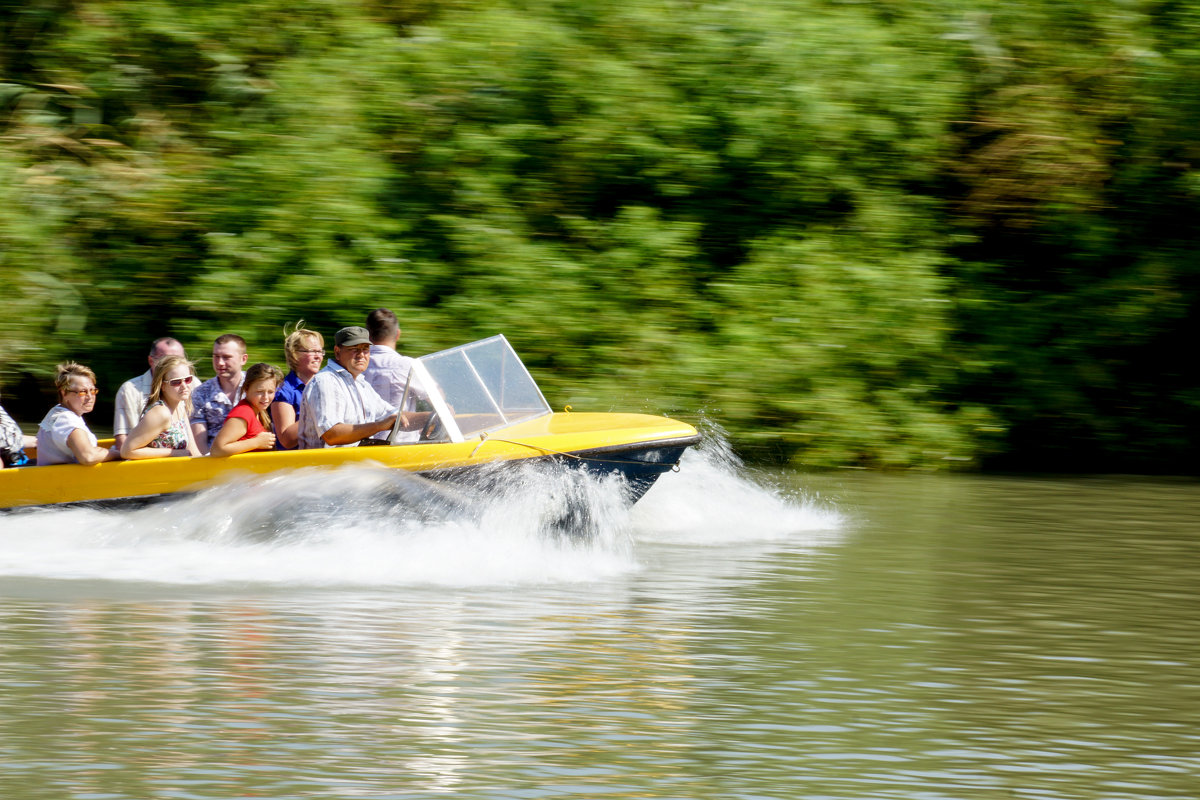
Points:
(63, 437)
(248, 427)
(131, 396)
(340, 408)
(388, 373)
(304, 350)
(213, 399)
(13, 442)
(163, 429)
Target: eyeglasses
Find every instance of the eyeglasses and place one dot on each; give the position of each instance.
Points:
(84, 392)
(175, 384)
(312, 352)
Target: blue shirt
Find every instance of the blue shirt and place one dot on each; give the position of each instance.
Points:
(291, 391)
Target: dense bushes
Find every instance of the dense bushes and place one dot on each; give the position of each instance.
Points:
(884, 234)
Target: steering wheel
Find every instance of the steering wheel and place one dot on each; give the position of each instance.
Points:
(434, 429)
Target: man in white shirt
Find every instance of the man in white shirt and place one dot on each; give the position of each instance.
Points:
(388, 372)
(339, 408)
(131, 396)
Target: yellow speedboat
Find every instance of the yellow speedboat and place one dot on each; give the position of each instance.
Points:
(484, 409)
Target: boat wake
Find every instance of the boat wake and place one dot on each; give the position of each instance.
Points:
(714, 499)
(363, 526)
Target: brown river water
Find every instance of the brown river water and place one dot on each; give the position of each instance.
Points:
(738, 635)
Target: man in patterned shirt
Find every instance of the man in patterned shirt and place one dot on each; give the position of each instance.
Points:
(339, 408)
(217, 395)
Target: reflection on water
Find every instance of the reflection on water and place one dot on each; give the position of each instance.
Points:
(867, 637)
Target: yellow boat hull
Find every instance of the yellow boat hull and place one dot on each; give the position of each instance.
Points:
(639, 446)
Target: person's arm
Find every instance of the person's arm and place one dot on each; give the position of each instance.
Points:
(85, 452)
(347, 433)
(152, 423)
(192, 448)
(200, 436)
(125, 415)
(375, 406)
(414, 420)
(287, 427)
(229, 439)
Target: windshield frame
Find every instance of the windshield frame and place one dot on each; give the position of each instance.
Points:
(477, 388)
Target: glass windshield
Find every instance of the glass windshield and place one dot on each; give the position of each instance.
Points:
(480, 387)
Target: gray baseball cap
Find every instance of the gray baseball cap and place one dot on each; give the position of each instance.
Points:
(348, 337)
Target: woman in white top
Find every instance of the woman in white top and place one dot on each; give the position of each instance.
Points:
(63, 437)
(163, 430)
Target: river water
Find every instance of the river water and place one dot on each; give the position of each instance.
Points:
(738, 635)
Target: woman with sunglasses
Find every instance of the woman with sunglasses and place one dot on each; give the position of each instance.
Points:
(63, 437)
(163, 429)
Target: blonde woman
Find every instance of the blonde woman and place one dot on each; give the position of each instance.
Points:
(63, 437)
(163, 429)
(304, 350)
(248, 427)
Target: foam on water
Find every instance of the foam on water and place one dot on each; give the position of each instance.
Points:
(714, 500)
(363, 526)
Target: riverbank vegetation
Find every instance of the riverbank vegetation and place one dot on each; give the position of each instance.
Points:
(887, 234)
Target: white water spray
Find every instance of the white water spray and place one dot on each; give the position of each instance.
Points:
(714, 500)
(362, 526)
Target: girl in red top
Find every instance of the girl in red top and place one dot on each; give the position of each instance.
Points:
(248, 426)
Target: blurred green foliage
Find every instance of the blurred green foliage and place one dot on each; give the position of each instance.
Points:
(855, 234)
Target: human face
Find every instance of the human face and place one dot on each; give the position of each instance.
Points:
(261, 394)
(80, 395)
(177, 384)
(354, 358)
(309, 356)
(228, 360)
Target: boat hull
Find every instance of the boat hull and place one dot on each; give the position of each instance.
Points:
(636, 446)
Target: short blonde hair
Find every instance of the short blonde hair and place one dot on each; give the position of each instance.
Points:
(67, 370)
(294, 342)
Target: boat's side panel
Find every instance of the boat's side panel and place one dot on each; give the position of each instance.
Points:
(552, 435)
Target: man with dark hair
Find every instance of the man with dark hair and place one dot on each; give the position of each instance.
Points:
(217, 395)
(388, 372)
(131, 396)
(339, 408)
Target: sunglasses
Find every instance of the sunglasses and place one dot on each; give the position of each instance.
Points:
(84, 392)
(175, 384)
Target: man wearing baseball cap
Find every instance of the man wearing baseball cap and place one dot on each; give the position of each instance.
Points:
(339, 408)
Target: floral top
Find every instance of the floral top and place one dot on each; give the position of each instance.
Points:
(175, 436)
(12, 442)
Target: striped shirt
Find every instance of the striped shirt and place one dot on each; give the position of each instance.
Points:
(333, 397)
